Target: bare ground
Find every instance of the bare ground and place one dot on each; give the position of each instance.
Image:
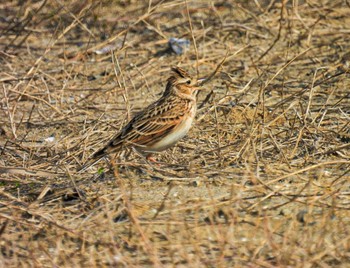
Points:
(262, 179)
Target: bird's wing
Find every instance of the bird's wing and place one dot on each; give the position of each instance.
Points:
(153, 124)
(148, 126)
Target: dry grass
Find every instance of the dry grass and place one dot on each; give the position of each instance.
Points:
(262, 180)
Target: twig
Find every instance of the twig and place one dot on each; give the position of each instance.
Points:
(151, 251)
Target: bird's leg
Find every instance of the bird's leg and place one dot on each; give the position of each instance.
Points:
(151, 159)
(146, 157)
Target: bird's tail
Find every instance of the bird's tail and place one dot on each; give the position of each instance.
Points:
(96, 157)
(102, 153)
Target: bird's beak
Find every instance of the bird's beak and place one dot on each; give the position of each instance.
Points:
(200, 82)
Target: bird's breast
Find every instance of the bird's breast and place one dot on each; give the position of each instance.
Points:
(173, 137)
(176, 134)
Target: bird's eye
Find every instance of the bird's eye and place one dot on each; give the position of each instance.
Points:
(188, 82)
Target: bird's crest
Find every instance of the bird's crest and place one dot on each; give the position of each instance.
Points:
(180, 72)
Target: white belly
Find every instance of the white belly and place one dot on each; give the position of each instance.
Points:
(178, 133)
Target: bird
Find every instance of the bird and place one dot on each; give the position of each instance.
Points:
(161, 124)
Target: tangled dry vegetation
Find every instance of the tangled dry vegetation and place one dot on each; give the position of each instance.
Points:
(262, 179)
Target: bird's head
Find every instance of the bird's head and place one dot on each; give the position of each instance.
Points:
(182, 82)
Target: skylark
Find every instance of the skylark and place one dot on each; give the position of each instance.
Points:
(163, 123)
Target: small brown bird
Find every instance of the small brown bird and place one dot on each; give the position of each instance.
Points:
(161, 124)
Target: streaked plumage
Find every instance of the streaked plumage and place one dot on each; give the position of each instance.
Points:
(161, 124)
